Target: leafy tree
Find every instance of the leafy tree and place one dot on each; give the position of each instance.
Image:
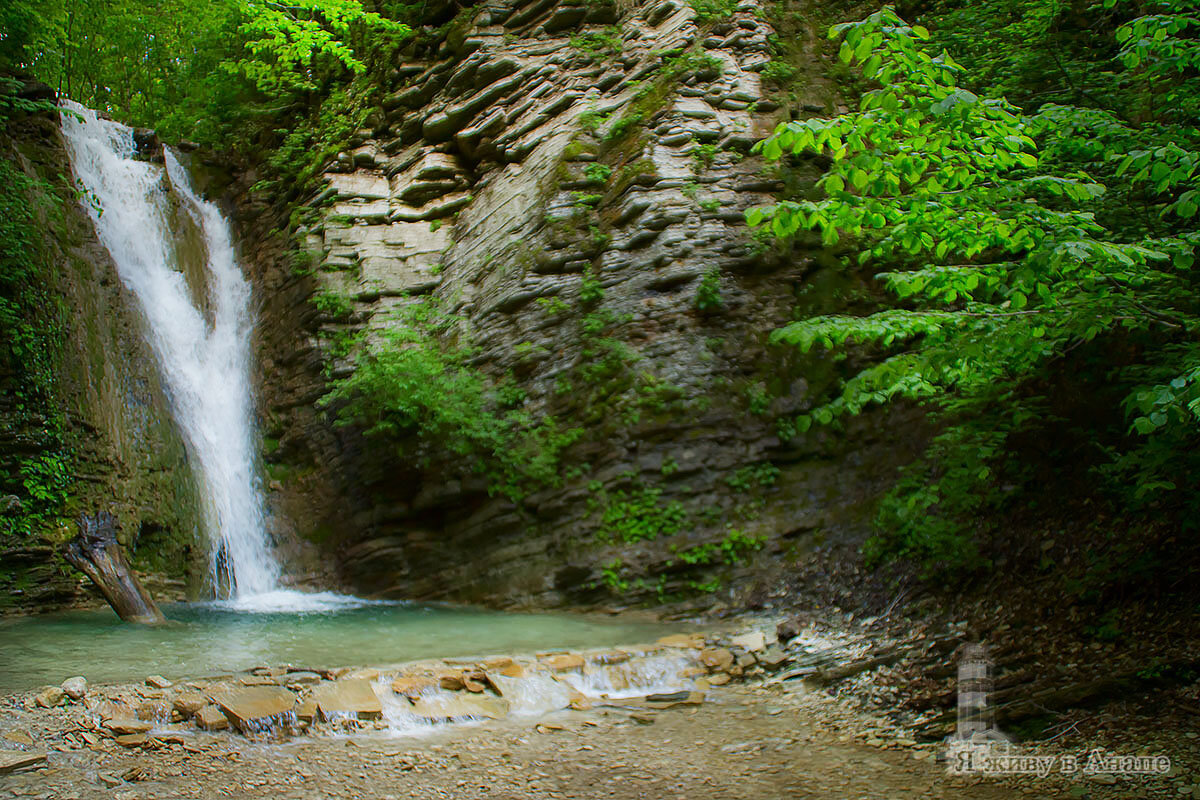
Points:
(1000, 270)
(212, 70)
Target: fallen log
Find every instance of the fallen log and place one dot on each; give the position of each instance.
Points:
(96, 553)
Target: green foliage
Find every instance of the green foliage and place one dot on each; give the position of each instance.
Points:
(283, 85)
(610, 573)
(639, 516)
(753, 476)
(713, 10)
(778, 72)
(591, 291)
(553, 305)
(598, 45)
(597, 173)
(732, 550)
(708, 292)
(1001, 267)
(332, 304)
(285, 43)
(585, 200)
(702, 157)
(39, 473)
(419, 383)
(12, 105)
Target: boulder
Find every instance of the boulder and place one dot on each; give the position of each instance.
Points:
(498, 662)
(258, 680)
(513, 670)
(789, 629)
(694, 640)
(301, 678)
(158, 682)
(75, 688)
(537, 692)
(50, 697)
(349, 697)
(256, 709)
(452, 682)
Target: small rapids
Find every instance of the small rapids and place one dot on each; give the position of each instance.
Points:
(537, 692)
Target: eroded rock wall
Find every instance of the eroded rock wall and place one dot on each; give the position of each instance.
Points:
(542, 149)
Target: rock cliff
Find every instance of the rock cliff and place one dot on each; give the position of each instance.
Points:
(569, 179)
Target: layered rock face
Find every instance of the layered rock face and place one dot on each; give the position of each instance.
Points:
(570, 180)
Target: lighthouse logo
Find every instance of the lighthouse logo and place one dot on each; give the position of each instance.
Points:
(976, 739)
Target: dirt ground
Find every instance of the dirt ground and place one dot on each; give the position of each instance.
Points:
(748, 742)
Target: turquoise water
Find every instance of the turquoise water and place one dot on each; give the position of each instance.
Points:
(207, 639)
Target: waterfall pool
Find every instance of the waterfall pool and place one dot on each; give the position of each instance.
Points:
(214, 638)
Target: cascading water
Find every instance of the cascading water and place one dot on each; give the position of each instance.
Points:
(152, 221)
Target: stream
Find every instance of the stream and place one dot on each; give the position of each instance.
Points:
(214, 638)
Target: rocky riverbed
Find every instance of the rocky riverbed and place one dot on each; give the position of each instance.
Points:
(723, 715)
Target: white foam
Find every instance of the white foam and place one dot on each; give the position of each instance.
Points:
(289, 601)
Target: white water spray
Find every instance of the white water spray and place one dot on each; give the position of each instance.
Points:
(202, 345)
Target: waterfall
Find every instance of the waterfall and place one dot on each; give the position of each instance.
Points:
(175, 252)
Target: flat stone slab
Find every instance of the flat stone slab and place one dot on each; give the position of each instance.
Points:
(11, 761)
(753, 641)
(256, 709)
(350, 697)
(460, 706)
(210, 718)
(125, 725)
